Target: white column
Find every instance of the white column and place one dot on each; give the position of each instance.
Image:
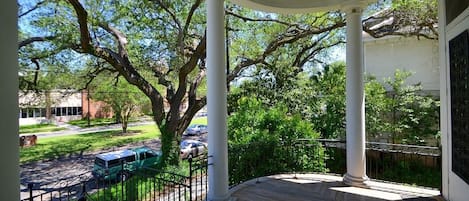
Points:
(216, 102)
(9, 144)
(355, 105)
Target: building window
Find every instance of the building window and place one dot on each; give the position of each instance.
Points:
(24, 113)
(30, 112)
(66, 111)
(43, 112)
(37, 112)
(69, 111)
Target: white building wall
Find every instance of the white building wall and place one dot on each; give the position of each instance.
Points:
(419, 56)
(66, 99)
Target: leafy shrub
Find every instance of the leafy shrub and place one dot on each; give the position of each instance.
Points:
(265, 142)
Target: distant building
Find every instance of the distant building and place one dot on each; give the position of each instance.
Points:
(386, 54)
(58, 106)
(419, 56)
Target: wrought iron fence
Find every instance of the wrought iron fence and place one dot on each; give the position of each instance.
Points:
(143, 184)
(253, 160)
(419, 165)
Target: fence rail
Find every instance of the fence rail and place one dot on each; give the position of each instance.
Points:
(399, 163)
(416, 165)
(143, 184)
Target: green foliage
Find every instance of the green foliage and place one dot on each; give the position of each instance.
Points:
(144, 184)
(420, 10)
(404, 115)
(329, 115)
(409, 168)
(412, 116)
(376, 108)
(125, 100)
(264, 141)
(169, 147)
(412, 172)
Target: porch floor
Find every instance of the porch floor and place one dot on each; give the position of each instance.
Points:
(312, 187)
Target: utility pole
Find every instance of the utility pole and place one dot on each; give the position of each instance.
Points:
(88, 103)
(227, 49)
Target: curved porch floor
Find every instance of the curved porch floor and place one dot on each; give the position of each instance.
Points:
(312, 187)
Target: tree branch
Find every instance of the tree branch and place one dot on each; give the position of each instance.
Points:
(82, 16)
(191, 13)
(229, 12)
(119, 60)
(280, 42)
(34, 39)
(179, 27)
(31, 9)
(36, 72)
(119, 36)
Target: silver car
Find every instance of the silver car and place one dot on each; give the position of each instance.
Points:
(196, 129)
(192, 148)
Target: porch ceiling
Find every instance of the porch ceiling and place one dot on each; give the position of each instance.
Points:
(299, 6)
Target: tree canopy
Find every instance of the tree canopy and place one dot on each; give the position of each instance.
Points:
(159, 46)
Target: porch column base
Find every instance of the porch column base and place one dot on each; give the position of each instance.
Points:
(226, 198)
(356, 181)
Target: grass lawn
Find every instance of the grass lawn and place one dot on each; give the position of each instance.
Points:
(56, 147)
(200, 120)
(39, 128)
(50, 148)
(83, 123)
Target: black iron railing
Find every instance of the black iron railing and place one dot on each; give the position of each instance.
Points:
(417, 165)
(258, 159)
(143, 184)
(412, 164)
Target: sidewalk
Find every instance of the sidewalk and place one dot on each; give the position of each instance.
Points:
(75, 130)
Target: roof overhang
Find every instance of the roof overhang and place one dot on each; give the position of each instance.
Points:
(300, 6)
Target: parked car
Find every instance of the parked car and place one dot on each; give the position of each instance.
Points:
(121, 164)
(201, 114)
(196, 129)
(192, 148)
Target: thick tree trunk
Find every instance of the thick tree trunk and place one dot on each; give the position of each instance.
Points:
(169, 145)
(124, 126)
(48, 106)
(172, 129)
(124, 118)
